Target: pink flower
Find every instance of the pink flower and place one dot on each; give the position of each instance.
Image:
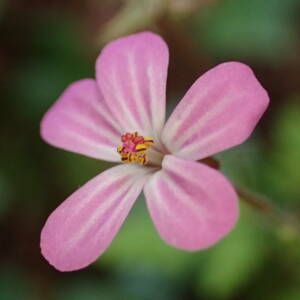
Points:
(121, 116)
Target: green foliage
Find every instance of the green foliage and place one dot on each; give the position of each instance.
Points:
(14, 285)
(133, 284)
(138, 243)
(285, 157)
(239, 29)
(74, 169)
(87, 289)
(5, 195)
(235, 261)
(58, 58)
(2, 7)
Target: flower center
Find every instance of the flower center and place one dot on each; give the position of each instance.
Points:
(134, 148)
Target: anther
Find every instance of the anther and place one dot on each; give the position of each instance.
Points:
(134, 148)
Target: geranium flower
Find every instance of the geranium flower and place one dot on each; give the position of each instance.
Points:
(120, 117)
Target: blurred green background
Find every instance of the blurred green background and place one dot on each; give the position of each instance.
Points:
(47, 44)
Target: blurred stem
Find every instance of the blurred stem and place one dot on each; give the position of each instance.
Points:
(258, 202)
(266, 207)
(136, 15)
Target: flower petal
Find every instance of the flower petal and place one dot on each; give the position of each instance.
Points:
(192, 205)
(83, 226)
(79, 121)
(218, 112)
(132, 74)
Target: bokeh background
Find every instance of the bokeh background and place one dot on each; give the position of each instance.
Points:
(46, 45)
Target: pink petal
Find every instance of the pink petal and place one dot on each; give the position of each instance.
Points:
(192, 205)
(132, 74)
(83, 226)
(79, 121)
(218, 112)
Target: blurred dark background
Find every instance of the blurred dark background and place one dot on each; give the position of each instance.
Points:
(47, 44)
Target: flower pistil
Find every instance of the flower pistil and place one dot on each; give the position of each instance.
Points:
(134, 148)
